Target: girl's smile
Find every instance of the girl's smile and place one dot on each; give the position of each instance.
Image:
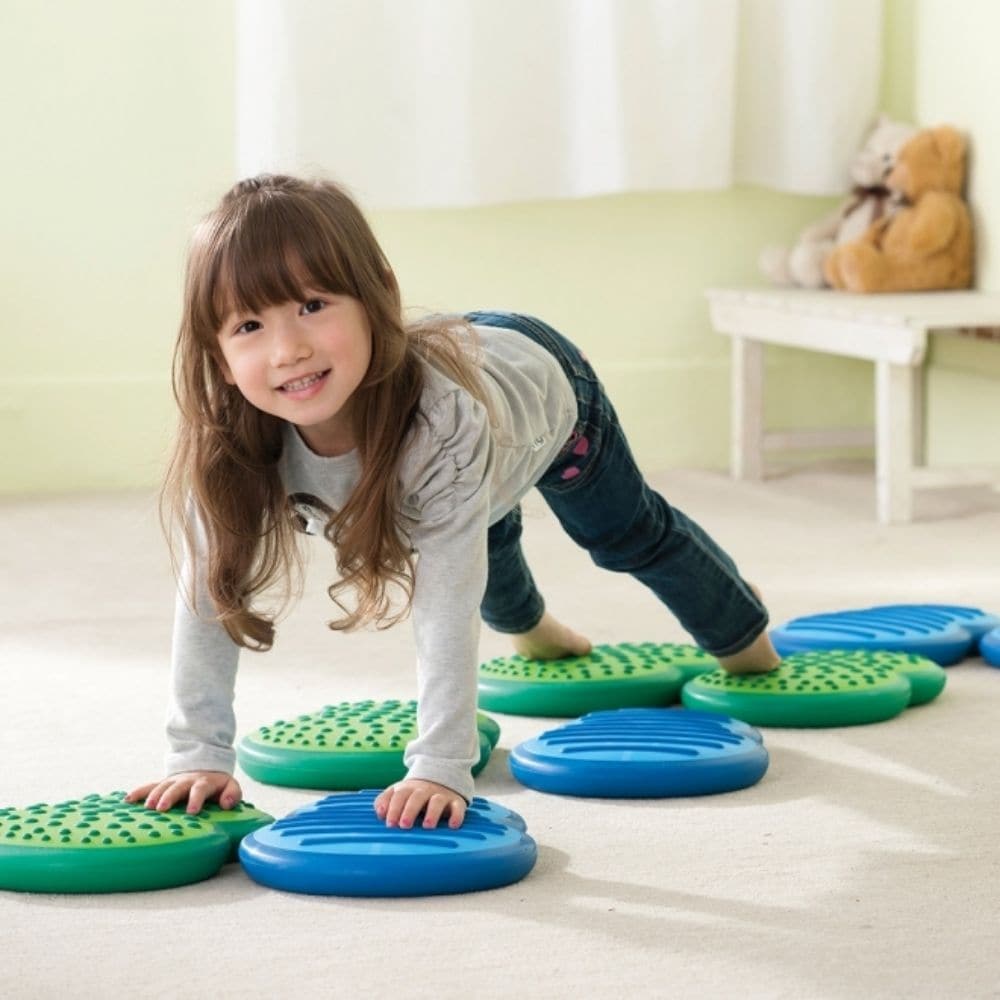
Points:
(302, 362)
(305, 387)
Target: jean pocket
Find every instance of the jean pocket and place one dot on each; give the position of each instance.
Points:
(577, 460)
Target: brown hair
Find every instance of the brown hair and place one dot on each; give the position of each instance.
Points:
(270, 238)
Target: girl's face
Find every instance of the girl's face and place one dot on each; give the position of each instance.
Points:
(302, 362)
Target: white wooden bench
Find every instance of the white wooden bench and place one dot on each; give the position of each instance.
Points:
(890, 330)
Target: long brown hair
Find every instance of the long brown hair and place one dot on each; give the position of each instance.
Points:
(271, 238)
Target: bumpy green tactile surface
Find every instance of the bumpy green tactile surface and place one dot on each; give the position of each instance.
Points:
(235, 823)
(821, 688)
(100, 843)
(611, 676)
(344, 747)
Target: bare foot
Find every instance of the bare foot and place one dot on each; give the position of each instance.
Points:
(550, 640)
(760, 657)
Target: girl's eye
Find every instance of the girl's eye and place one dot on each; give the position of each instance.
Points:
(313, 305)
(248, 327)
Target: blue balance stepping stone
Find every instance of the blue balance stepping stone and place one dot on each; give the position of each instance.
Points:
(339, 847)
(989, 647)
(642, 753)
(944, 633)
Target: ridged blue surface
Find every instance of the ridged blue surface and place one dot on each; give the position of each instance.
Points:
(642, 753)
(338, 846)
(989, 646)
(944, 633)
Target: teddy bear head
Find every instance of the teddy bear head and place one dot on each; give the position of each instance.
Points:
(877, 155)
(933, 160)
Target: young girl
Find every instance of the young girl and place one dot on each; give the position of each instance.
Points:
(307, 403)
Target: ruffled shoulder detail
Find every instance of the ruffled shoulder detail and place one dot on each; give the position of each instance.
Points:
(448, 454)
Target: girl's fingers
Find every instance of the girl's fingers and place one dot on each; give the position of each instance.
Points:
(196, 796)
(232, 794)
(141, 792)
(453, 805)
(197, 788)
(206, 787)
(414, 804)
(153, 795)
(433, 810)
(381, 803)
(166, 796)
(456, 814)
(392, 805)
(394, 808)
(401, 805)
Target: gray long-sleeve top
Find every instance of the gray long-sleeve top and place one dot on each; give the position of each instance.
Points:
(458, 475)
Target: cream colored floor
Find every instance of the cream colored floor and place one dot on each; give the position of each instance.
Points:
(864, 865)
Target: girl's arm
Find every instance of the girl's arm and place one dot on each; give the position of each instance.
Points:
(201, 725)
(453, 451)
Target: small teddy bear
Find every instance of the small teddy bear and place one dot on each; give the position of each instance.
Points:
(802, 264)
(927, 242)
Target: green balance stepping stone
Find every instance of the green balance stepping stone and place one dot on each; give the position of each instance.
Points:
(235, 823)
(101, 843)
(626, 675)
(344, 747)
(821, 688)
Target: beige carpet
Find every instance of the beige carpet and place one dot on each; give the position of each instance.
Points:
(864, 865)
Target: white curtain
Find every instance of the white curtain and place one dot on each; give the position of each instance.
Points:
(432, 103)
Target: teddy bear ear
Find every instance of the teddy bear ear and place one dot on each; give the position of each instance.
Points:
(950, 143)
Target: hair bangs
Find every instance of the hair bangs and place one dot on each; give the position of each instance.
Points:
(275, 250)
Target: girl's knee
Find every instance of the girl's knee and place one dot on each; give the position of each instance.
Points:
(634, 546)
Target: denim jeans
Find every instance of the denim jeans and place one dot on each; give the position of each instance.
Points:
(599, 496)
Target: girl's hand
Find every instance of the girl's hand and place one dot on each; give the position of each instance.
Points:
(195, 786)
(402, 803)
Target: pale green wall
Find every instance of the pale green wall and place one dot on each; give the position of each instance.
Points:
(117, 132)
(122, 132)
(898, 67)
(957, 78)
(624, 277)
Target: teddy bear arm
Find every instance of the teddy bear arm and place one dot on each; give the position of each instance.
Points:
(932, 223)
(857, 267)
(823, 229)
(805, 263)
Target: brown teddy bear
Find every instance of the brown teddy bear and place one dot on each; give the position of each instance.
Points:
(802, 263)
(926, 241)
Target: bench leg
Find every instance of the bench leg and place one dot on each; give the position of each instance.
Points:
(918, 397)
(746, 459)
(895, 439)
